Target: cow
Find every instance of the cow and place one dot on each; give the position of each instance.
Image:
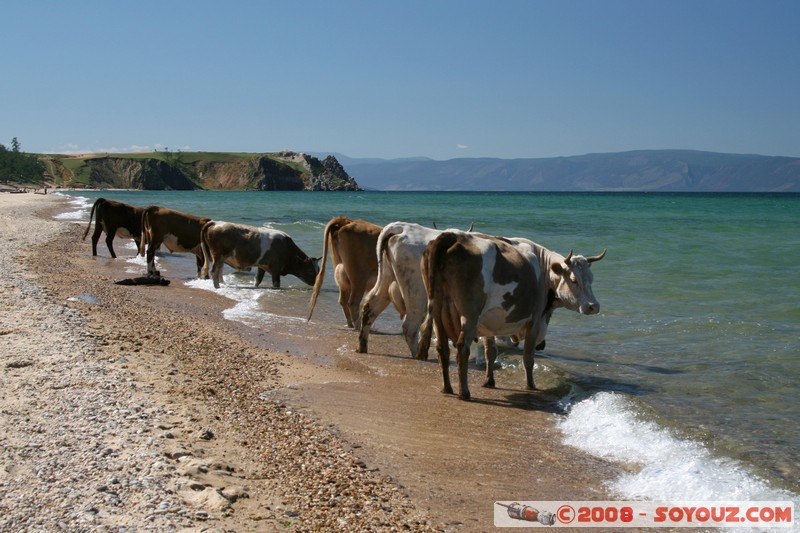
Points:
(399, 250)
(352, 246)
(179, 232)
(116, 219)
(486, 286)
(243, 246)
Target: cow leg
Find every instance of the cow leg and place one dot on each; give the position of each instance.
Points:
(151, 258)
(443, 352)
(98, 229)
(276, 281)
(201, 261)
(346, 295)
(397, 299)
(527, 356)
(490, 351)
(110, 242)
(411, 324)
(216, 270)
(354, 297)
(374, 305)
(462, 350)
(259, 276)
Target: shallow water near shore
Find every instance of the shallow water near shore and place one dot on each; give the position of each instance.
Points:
(688, 371)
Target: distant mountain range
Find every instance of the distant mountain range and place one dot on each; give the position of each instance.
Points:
(641, 170)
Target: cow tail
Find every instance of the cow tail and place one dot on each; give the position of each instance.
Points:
(330, 230)
(206, 272)
(431, 268)
(145, 232)
(91, 215)
(382, 248)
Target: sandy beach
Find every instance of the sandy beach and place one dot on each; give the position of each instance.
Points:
(141, 407)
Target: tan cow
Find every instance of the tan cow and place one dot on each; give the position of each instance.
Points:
(179, 232)
(352, 245)
(117, 220)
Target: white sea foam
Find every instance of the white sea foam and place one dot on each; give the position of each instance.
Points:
(138, 263)
(247, 309)
(607, 425)
(79, 209)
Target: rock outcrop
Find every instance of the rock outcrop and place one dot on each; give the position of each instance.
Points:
(282, 171)
(150, 174)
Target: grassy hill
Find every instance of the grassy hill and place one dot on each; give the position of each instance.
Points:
(198, 170)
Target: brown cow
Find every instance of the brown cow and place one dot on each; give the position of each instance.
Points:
(179, 232)
(355, 264)
(116, 219)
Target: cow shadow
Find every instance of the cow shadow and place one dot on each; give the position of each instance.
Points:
(546, 400)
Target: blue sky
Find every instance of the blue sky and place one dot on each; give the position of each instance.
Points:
(441, 79)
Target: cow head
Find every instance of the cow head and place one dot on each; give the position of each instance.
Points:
(308, 269)
(574, 284)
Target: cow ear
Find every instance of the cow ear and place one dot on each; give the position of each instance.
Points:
(559, 268)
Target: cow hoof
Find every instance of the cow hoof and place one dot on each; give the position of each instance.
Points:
(464, 397)
(489, 384)
(422, 357)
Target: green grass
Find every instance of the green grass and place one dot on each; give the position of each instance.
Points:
(81, 171)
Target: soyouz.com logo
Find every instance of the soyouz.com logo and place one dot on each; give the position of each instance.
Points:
(643, 514)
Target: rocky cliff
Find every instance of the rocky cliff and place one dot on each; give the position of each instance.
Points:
(151, 174)
(282, 171)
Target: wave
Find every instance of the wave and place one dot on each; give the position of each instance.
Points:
(79, 209)
(609, 426)
(248, 309)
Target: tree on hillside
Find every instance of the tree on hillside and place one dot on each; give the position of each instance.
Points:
(16, 165)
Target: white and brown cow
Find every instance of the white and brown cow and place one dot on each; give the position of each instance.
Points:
(352, 246)
(116, 219)
(399, 250)
(487, 286)
(243, 246)
(179, 232)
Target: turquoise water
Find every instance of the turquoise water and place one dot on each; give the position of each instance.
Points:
(697, 345)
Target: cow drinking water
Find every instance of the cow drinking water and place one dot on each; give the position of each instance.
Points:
(243, 246)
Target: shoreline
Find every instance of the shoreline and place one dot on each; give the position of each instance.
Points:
(326, 440)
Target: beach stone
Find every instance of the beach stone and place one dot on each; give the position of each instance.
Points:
(82, 417)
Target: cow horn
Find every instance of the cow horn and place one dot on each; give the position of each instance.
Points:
(434, 225)
(471, 226)
(568, 257)
(597, 257)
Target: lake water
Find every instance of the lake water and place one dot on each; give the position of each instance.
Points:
(690, 370)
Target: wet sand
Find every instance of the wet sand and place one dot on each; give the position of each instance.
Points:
(321, 438)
